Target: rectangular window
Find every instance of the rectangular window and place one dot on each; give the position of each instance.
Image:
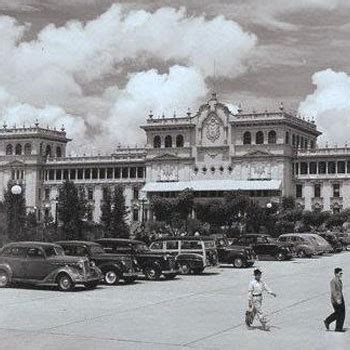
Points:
(80, 174)
(87, 174)
(39, 194)
(313, 168)
(317, 190)
(109, 173)
(140, 172)
(125, 173)
(322, 167)
(47, 194)
(102, 173)
(135, 215)
(348, 167)
(132, 172)
(51, 174)
(90, 194)
(65, 174)
(331, 167)
(72, 174)
(135, 193)
(303, 168)
(58, 174)
(94, 173)
(299, 191)
(336, 190)
(296, 168)
(117, 173)
(341, 167)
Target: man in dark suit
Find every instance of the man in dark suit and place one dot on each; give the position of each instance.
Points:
(337, 300)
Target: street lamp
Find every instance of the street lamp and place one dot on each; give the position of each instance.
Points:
(16, 190)
(269, 205)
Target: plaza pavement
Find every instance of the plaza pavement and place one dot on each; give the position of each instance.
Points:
(190, 312)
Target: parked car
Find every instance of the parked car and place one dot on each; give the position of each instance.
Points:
(238, 256)
(333, 240)
(322, 245)
(114, 267)
(192, 254)
(40, 263)
(153, 265)
(265, 246)
(304, 245)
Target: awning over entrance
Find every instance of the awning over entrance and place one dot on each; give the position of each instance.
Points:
(213, 185)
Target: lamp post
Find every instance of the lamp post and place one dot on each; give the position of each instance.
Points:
(143, 200)
(16, 191)
(56, 213)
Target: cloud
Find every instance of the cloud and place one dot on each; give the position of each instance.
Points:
(330, 104)
(82, 70)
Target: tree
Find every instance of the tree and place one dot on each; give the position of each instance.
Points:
(120, 228)
(72, 210)
(15, 207)
(106, 211)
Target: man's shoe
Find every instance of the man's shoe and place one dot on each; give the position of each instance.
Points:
(326, 325)
(340, 330)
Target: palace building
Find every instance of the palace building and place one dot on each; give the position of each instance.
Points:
(213, 151)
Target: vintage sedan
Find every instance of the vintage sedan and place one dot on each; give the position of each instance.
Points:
(113, 266)
(40, 263)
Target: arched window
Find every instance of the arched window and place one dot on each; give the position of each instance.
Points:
(287, 138)
(18, 149)
(259, 138)
(48, 151)
(179, 141)
(247, 138)
(271, 137)
(58, 152)
(168, 142)
(27, 149)
(157, 141)
(9, 150)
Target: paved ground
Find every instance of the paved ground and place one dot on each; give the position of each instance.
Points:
(199, 312)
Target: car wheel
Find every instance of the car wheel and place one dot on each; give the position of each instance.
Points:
(152, 273)
(91, 285)
(238, 263)
(170, 276)
(185, 268)
(4, 279)
(280, 256)
(198, 271)
(65, 283)
(301, 253)
(111, 277)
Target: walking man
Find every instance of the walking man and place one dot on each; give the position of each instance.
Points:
(255, 298)
(338, 303)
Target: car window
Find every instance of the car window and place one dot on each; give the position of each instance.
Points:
(96, 250)
(81, 251)
(53, 251)
(14, 251)
(172, 245)
(35, 253)
(191, 245)
(282, 239)
(262, 240)
(209, 244)
(157, 245)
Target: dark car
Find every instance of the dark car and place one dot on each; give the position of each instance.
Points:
(153, 265)
(237, 255)
(114, 267)
(265, 246)
(40, 263)
(192, 254)
(333, 240)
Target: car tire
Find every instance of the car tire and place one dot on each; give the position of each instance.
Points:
(198, 271)
(4, 279)
(170, 276)
(152, 273)
(184, 268)
(280, 256)
(64, 282)
(111, 277)
(91, 285)
(238, 263)
(301, 253)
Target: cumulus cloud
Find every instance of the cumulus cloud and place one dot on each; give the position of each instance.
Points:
(330, 104)
(67, 71)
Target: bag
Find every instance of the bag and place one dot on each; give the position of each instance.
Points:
(249, 317)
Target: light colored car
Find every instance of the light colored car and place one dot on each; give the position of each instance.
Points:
(323, 246)
(303, 244)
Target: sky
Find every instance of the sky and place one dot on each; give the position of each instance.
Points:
(100, 66)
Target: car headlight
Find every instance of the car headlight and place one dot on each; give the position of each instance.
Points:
(165, 257)
(80, 265)
(92, 264)
(123, 263)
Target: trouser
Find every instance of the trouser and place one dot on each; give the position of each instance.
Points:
(338, 315)
(257, 310)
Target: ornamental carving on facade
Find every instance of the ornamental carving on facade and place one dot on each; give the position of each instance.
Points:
(167, 173)
(212, 128)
